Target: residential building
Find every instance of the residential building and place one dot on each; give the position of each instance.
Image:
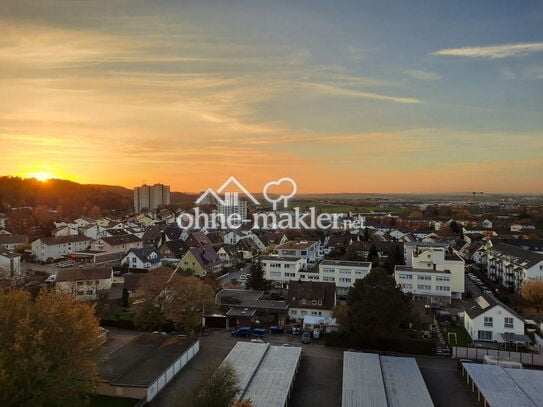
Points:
(342, 273)
(12, 242)
(117, 243)
(437, 259)
(310, 298)
(84, 284)
(201, 261)
(410, 247)
(511, 265)
(53, 248)
(10, 264)
(228, 256)
(144, 258)
(428, 284)
(303, 249)
(232, 208)
(197, 239)
(487, 319)
(151, 197)
(282, 269)
(173, 250)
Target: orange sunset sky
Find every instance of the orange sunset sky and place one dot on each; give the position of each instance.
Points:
(347, 97)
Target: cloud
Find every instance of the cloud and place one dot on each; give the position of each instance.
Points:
(424, 75)
(493, 51)
(353, 93)
(356, 54)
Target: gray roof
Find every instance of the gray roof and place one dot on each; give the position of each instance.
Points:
(485, 302)
(400, 267)
(142, 360)
(345, 263)
(64, 239)
(362, 381)
(9, 254)
(13, 239)
(516, 254)
(143, 254)
(78, 274)
(387, 381)
(498, 388)
(404, 384)
(280, 258)
(120, 239)
(266, 372)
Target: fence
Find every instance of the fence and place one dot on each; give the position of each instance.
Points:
(532, 359)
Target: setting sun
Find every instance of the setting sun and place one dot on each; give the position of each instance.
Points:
(41, 175)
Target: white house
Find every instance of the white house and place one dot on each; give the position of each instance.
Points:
(142, 258)
(437, 259)
(117, 244)
(487, 318)
(431, 285)
(10, 264)
(282, 269)
(303, 249)
(12, 242)
(56, 247)
(311, 298)
(84, 284)
(342, 273)
(65, 230)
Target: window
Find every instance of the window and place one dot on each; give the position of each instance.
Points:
(424, 287)
(424, 277)
(488, 321)
(484, 335)
(508, 322)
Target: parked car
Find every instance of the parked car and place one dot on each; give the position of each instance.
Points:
(51, 279)
(242, 331)
(275, 329)
(257, 341)
(306, 337)
(259, 332)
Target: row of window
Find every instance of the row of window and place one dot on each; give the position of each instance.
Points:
(508, 322)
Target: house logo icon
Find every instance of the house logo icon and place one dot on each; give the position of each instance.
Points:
(230, 198)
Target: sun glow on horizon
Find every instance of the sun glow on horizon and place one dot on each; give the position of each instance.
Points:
(42, 176)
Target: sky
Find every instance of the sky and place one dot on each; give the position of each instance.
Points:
(343, 96)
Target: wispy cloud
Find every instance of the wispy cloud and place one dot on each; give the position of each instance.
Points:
(493, 51)
(424, 75)
(353, 93)
(356, 54)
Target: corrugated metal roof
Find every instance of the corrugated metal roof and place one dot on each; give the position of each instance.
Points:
(362, 381)
(265, 372)
(404, 384)
(497, 387)
(530, 382)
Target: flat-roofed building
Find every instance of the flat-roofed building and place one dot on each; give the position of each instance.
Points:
(343, 273)
(266, 373)
(430, 285)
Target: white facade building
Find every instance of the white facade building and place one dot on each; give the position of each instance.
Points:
(343, 273)
(511, 265)
(303, 249)
(282, 269)
(10, 264)
(57, 247)
(432, 285)
(438, 260)
(84, 284)
(487, 318)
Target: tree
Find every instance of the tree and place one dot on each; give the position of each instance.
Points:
(243, 403)
(373, 254)
(217, 387)
(376, 305)
(162, 296)
(46, 350)
(341, 314)
(395, 257)
(256, 280)
(190, 297)
(532, 290)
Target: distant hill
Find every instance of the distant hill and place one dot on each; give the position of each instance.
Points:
(71, 198)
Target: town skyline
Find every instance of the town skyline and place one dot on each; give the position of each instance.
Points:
(338, 97)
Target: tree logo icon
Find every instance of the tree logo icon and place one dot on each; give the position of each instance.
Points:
(281, 198)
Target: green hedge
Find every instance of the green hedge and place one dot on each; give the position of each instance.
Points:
(392, 344)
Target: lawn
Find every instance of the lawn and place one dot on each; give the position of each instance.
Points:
(106, 401)
(462, 336)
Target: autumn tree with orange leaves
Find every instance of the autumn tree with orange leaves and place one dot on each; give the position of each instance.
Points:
(532, 290)
(46, 350)
(162, 296)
